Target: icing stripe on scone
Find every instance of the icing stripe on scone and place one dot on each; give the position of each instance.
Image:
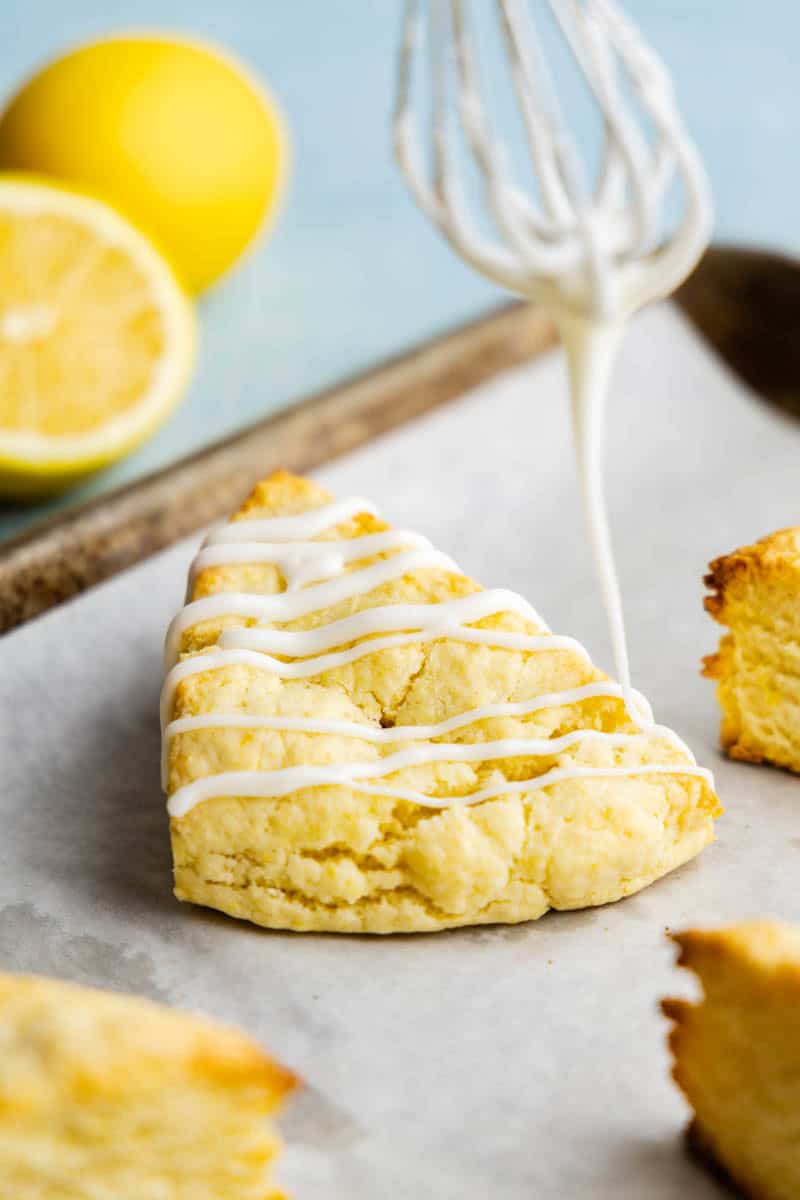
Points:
(232, 652)
(405, 733)
(377, 735)
(301, 563)
(286, 606)
(296, 528)
(315, 577)
(475, 752)
(269, 784)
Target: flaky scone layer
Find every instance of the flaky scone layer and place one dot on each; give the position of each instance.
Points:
(110, 1095)
(756, 595)
(737, 1054)
(330, 858)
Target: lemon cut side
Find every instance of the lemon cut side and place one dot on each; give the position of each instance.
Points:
(97, 338)
(176, 134)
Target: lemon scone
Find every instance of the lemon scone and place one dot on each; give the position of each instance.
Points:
(358, 738)
(756, 595)
(110, 1095)
(737, 1054)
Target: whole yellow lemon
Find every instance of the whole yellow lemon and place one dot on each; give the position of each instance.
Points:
(176, 135)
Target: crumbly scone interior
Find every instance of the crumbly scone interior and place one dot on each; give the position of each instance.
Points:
(737, 1053)
(107, 1095)
(333, 848)
(756, 595)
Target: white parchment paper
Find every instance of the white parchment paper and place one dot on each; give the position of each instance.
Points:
(511, 1062)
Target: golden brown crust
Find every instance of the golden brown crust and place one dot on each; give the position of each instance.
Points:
(700, 1148)
(755, 592)
(779, 551)
(109, 1094)
(768, 947)
(710, 668)
(117, 1039)
(735, 1053)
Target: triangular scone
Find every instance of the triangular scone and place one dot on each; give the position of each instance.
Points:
(737, 1054)
(110, 1095)
(286, 814)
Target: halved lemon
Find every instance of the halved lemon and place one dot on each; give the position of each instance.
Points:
(97, 337)
(176, 134)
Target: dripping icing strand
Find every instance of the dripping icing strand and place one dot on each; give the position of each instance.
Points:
(315, 577)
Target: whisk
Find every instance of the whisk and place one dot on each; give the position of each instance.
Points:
(573, 229)
(592, 251)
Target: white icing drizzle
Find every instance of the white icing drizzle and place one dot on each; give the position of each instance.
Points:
(590, 348)
(244, 639)
(234, 656)
(321, 564)
(288, 606)
(302, 563)
(267, 784)
(446, 618)
(590, 253)
(298, 527)
(407, 733)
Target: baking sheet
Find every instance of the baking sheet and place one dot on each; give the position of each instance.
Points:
(515, 1062)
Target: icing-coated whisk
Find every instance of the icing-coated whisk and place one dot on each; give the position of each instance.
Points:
(590, 250)
(573, 231)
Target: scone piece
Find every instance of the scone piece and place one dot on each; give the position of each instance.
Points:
(737, 1054)
(756, 594)
(110, 1095)
(329, 782)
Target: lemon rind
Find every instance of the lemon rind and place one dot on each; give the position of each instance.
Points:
(33, 454)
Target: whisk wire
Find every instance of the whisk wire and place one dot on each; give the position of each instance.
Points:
(513, 218)
(570, 228)
(553, 161)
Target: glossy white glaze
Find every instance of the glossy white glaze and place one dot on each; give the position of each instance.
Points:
(309, 653)
(401, 733)
(265, 784)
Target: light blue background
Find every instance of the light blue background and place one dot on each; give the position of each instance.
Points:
(353, 273)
